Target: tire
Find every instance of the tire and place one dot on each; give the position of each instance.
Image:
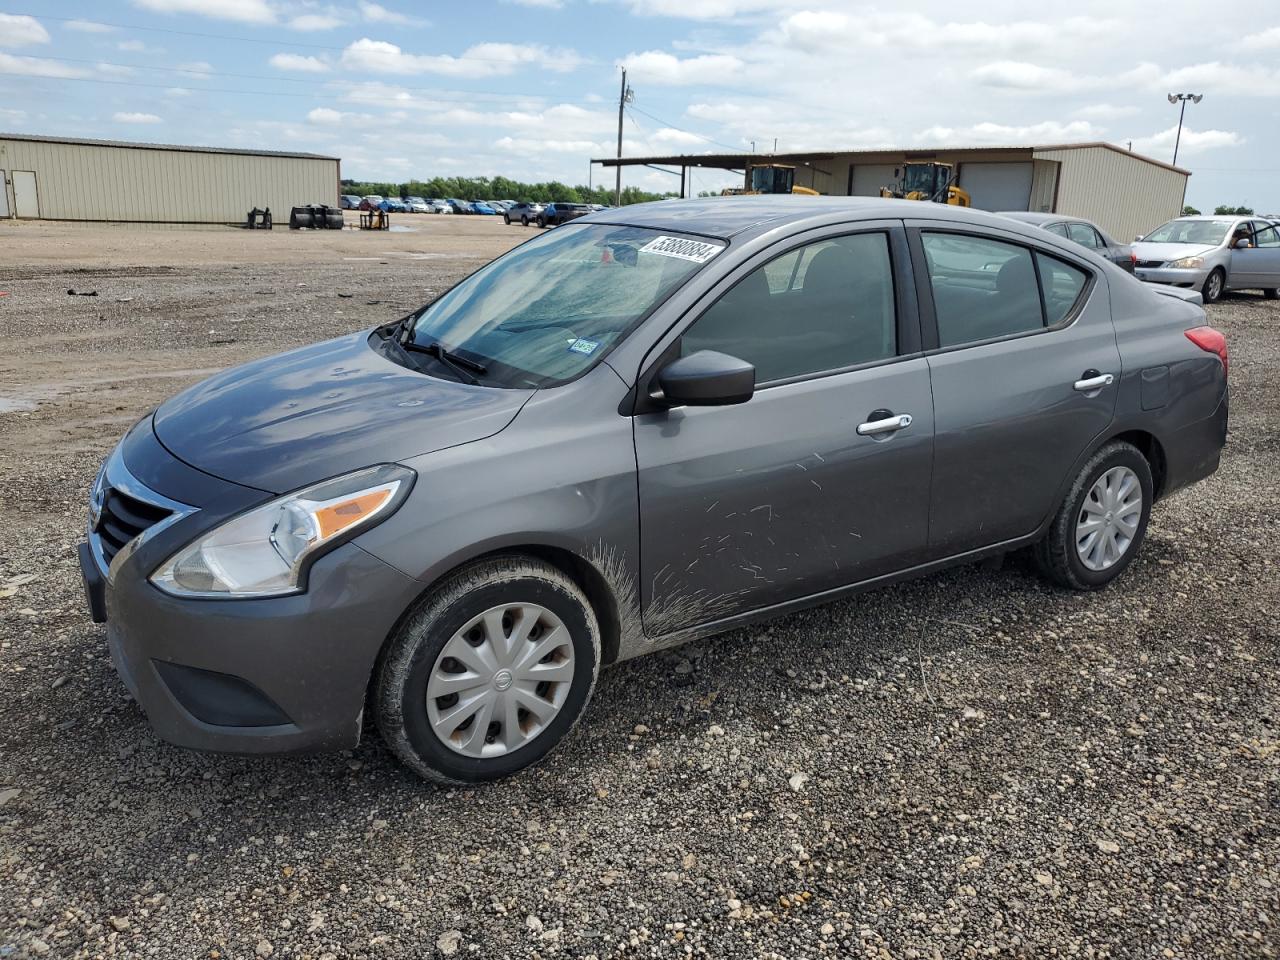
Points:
(1272, 293)
(416, 657)
(524, 221)
(1214, 286)
(506, 219)
(542, 223)
(1057, 555)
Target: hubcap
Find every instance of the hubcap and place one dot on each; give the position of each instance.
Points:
(1215, 286)
(1109, 519)
(500, 680)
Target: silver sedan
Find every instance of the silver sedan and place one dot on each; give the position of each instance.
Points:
(1212, 255)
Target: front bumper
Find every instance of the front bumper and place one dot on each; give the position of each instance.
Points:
(277, 674)
(1174, 277)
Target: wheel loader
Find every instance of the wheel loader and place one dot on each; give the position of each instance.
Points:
(769, 178)
(928, 181)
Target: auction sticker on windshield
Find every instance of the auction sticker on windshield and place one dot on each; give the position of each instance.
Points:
(682, 249)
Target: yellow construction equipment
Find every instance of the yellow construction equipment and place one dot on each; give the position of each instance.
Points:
(928, 181)
(769, 178)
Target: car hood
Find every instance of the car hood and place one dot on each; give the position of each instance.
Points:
(1170, 251)
(285, 421)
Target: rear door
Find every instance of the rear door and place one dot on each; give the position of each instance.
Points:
(1258, 266)
(822, 478)
(1025, 372)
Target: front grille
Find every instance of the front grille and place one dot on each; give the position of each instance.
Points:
(123, 518)
(1151, 264)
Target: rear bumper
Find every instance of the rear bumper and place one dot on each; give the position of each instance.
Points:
(1195, 451)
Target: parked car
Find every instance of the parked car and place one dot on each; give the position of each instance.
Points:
(459, 206)
(482, 208)
(1212, 255)
(439, 206)
(416, 205)
(394, 205)
(349, 202)
(554, 214)
(801, 401)
(524, 211)
(371, 202)
(1088, 235)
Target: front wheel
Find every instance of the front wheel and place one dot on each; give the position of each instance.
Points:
(1214, 285)
(1272, 293)
(542, 223)
(506, 220)
(524, 221)
(490, 673)
(1102, 521)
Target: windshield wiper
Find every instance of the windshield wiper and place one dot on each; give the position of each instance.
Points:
(460, 365)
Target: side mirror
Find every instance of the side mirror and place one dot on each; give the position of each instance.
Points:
(1138, 238)
(707, 379)
(1242, 244)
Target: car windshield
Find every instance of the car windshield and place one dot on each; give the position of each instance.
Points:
(551, 308)
(1208, 232)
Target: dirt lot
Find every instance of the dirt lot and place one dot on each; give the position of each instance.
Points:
(969, 765)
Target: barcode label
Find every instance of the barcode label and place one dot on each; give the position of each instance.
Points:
(682, 249)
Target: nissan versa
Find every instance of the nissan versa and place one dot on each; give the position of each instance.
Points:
(651, 424)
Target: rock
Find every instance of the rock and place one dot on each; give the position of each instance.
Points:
(715, 730)
(1108, 846)
(684, 668)
(533, 923)
(797, 781)
(640, 730)
(827, 930)
(447, 943)
(38, 947)
(7, 795)
(264, 948)
(1044, 879)
(120, 923)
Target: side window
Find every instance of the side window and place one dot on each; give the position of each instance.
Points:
(1059, 228)
(1084, 235)
(1062, 285)
(981, 288)
(1270, 237)
(824, 306)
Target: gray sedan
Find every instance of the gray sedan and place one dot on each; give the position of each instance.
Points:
(1088, 235)
(656, 423)
(1212, 255)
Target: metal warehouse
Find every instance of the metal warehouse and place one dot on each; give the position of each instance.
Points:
(51, 178)
(1123, 192)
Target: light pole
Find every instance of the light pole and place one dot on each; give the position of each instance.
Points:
(1182, 112)
(624, 97)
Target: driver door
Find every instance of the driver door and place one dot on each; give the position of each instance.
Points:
(1259, 265)
(788, 495)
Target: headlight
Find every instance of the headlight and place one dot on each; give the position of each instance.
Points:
(1188, 263)
(266, 551)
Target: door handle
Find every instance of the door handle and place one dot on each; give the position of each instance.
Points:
(890, 424)
(1093, 380)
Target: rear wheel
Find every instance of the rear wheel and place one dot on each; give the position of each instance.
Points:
(1214, 285)
(506, 219)
(524, 221)
(1102, 522)
(490, 673)
(542, 223)
(1271, 294)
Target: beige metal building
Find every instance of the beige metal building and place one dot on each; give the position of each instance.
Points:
(52, 178)
(1123, 192)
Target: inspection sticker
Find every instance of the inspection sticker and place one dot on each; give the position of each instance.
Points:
(584, 346)
(682, 249)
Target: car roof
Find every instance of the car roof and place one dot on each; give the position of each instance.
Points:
(1036, 217)
(1220, 218)
(727, 217)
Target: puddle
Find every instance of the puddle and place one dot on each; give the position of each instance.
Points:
(12, 405)
(396, 228)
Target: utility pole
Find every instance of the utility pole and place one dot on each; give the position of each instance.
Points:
(625, 96)
(1182, 98)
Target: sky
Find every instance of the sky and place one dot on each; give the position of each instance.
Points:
(528, 89)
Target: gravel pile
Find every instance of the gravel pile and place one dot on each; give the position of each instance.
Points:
(969, 765)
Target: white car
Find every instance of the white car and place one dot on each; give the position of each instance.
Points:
(416, 205)
(439, 206)
(1212, 255)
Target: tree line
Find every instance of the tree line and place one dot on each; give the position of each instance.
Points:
(1220, 211)
(497, 188)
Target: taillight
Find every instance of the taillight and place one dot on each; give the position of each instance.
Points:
(1210, 341)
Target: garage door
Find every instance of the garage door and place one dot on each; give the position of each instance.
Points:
(868, 178)
(998, 186)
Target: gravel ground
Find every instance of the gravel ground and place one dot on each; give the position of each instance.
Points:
(969, 765)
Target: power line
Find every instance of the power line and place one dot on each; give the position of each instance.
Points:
(682, 130)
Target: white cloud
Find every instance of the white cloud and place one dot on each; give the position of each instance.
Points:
(298, 63)
(197, 69)
(324, 115)
(1215, 77)
(135, 118)
(1266, 40)
(833, 30)
(115, 69)
(1193, 141)
(701, 9)
(1029, 77)
(37, 67)
(131, 46)
(17, 30)
(543, 4)
(1104, 112)
(177, 92)
(312, 22)
(481, 60)
(13, 116)
(377, 13)
(998, 134)
(656, 66)
(88, 26)
(242, 11)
